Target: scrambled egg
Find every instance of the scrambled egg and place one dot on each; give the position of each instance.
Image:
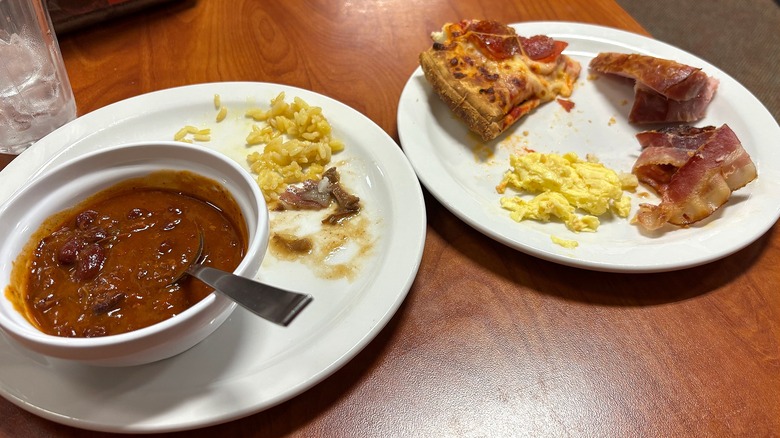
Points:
(565, 184)
(566, 243)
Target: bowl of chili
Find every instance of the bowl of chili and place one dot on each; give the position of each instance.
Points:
(94, 248)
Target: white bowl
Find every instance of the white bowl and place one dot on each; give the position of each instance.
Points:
(71, 182)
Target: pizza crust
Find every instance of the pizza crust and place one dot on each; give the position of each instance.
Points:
(473, 109)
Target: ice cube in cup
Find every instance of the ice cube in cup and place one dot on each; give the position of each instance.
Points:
(35, 95)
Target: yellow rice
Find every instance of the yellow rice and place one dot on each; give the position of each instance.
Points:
(196, 134)
(221, 114)
(296, 141)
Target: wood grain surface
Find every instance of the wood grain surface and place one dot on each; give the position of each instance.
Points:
(489, 342)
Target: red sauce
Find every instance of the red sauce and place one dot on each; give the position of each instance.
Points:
(114, 263)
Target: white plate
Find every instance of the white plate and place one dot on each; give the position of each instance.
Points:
(443, 154)
(248, 364)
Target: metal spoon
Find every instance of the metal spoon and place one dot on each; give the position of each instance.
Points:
(276, 305)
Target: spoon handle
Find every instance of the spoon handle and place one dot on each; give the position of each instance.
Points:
(276, 305)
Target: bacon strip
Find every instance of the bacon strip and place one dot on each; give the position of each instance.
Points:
(703, 183)
(652, 107)
(681, 137)
(665, 151)
(665, 90)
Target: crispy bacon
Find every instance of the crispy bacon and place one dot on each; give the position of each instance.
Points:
(666, 150)
(681, 137)
(652, 107)
(664, 91)
(691, 189)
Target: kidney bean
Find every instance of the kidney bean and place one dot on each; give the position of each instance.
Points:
(89, 262)
(69, 251)
(85, 219)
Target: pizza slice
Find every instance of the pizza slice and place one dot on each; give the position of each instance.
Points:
(490, 77)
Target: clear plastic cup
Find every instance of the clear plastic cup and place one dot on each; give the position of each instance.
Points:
(35, 95)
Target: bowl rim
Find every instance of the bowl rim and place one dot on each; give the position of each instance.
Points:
(256, 246)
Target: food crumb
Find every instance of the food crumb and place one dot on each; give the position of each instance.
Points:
(482, 152)
(566, 243)
(567, 105)
(612, 121)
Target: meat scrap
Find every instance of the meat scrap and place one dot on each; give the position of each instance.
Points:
(107, 301)
(664, 90)
(317, 195)
(694, 170)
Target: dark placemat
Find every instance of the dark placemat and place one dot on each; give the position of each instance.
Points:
(69, 15)
(741, 37)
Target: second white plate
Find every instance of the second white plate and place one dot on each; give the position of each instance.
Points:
(451, 162)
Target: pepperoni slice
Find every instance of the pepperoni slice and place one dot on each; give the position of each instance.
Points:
(542, 48)
(499, 41)
(495, 39)
(489, 27)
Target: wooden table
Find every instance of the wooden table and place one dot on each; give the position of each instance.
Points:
(489, 342)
